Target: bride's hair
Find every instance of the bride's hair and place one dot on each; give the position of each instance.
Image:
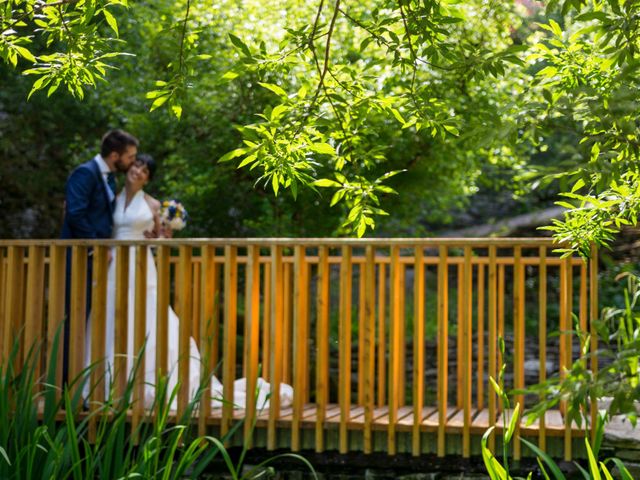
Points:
(148, 161)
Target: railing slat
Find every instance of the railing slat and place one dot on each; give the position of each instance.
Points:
(480, 357)
(55, 314)
(369, 346)
(300, 342)
(229, 335)
(542, 337)
(443, 347)
(395, 340)
(139, 334)
(467, 349)
(121, 332)
(162, 313)
(183, 291)
(382, 337)
(418, 349)
(459, 336)
(287, 319)
(593, 317)
(567, 339)
(275, 340)
(98, 324)
(252, 320)
(208, 310)
(322, 345)
(78, 311)
(493, 340)
(518, 341)
(34, 307)
(266, 325)
(344, 393)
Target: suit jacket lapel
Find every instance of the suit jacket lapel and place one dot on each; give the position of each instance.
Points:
(102, 185)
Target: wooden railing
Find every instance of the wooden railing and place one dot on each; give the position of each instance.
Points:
(338, 319)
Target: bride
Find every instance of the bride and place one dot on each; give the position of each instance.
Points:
(136, 213)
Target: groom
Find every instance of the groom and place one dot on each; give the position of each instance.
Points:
(89, 201)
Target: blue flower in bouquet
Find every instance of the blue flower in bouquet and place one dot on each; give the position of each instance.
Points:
(173, 214)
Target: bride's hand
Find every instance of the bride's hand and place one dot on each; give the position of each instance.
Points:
(165, 232)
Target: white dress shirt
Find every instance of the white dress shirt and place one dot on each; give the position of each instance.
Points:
(105, 170)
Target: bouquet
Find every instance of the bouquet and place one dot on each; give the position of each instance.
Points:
(173, 215)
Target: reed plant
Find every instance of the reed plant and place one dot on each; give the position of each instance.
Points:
(48, 432)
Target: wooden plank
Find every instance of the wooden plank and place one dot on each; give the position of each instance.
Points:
(13, 304)
(480, 357)
(183, 290)
(98, 333)
(34, 311)
(466, 355)
(368, 364)
(344, 389)
(55, 313)
(443, 347)
(121, 328)
(518, 341)
(78, 311)
(542, 335)
(229, 335)
(300, 342)
(252, 319)
(382, 342)
(275, 340)
(418, 349)
(492, 320)
(394, 348)
(139, 334)
(322, 344)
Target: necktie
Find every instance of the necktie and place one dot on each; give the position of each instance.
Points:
(111, 181)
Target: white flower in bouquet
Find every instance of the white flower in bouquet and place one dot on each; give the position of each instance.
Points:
(173, 214)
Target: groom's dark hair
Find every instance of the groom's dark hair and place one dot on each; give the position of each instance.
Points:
(116, 141)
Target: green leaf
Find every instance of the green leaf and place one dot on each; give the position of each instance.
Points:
(546, 459)
(232, 154)
(158, 102)
(240, 45)
(177, 111)
(111, 20)
(274, 88)
(3, 452)
(25, 53)
(323, 148)
(593, 464)
(325, 182)
(513, 423)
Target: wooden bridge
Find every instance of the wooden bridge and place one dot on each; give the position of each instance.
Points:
(388, 343)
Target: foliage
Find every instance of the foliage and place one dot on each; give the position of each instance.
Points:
(587, 70)
(618, 375)
(498, 471)
(35, 444)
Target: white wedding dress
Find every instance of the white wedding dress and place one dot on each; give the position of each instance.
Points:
(129, 223)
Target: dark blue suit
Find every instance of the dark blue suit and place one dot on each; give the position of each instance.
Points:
(88, 215)
(88, 211)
